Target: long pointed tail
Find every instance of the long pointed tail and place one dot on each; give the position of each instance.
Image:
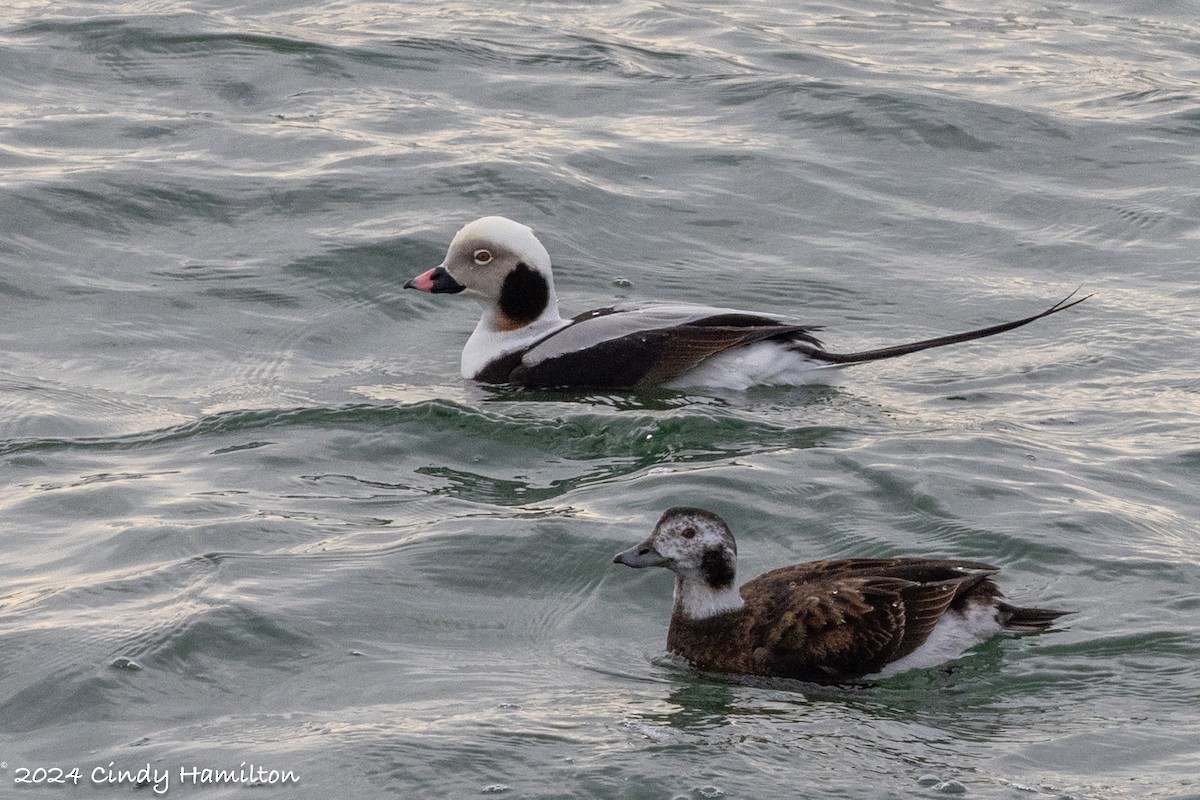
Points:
(912, 347)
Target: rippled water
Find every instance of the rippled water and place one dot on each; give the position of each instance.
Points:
(251, 513)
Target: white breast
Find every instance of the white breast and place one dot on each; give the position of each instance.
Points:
(486, 345)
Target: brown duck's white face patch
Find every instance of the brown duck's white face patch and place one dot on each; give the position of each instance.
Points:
(698, 545)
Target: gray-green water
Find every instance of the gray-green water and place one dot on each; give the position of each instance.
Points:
(251, 513)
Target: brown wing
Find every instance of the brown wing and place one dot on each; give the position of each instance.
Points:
(687, 346)
(837, 621)
(938, 585)
(919, 570)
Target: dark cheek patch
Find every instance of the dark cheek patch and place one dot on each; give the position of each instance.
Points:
(524, 294)
(718, 572)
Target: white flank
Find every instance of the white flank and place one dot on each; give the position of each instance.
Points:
(952, 634)
(758, 364)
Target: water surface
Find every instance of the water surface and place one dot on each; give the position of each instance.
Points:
(252, 513)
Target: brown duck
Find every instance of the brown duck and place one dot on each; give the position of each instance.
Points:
(825, 621)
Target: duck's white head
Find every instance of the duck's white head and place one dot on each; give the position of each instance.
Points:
(700, 549)
(501, 264)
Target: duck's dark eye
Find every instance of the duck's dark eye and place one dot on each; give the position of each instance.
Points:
(483, 256)
(689, 533)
